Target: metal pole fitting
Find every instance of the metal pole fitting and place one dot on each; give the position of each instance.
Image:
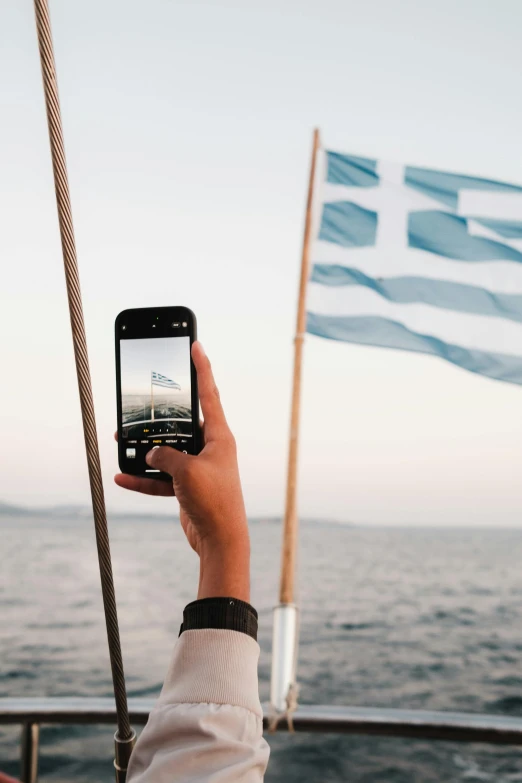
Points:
(30, 747)
(284, 648)
(122, 753)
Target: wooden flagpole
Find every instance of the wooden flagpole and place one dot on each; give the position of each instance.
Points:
(290, 530)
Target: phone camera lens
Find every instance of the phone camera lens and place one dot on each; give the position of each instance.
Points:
(123, 328)
(184, 323)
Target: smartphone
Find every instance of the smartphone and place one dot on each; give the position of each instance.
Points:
(156, 385)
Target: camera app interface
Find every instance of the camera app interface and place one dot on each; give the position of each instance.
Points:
(155, 395)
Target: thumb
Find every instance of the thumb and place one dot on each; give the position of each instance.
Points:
(167, 459)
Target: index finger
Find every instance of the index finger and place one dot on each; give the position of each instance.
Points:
(216, 426)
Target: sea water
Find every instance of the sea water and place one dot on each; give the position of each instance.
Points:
(411, 618)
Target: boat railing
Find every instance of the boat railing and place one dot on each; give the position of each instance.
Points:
(31, 713)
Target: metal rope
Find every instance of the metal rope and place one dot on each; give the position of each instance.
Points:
(45, 43)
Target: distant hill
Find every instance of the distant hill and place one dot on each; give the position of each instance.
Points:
(79, 513)
(7, 510)
(73, 513)
(302, 520)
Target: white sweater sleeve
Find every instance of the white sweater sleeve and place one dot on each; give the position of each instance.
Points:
(207, 726)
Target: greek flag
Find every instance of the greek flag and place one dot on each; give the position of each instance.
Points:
(162, 380)
(419, 260)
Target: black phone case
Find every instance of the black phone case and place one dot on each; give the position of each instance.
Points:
(178, 313)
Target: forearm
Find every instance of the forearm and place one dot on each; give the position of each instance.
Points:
(224, 569)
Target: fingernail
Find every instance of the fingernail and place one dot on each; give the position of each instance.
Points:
(202, 349)
(149, 457)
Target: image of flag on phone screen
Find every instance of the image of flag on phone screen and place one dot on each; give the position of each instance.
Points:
(162, 380)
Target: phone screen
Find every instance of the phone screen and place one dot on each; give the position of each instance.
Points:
(156, 389)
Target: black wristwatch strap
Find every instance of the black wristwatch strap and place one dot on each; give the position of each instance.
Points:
(227, 613)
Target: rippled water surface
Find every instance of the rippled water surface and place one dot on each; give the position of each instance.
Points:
(418, 618)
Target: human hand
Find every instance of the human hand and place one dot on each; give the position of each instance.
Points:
(208, 489)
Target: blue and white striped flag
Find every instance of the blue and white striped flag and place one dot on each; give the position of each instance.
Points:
(419, 260)
(162, 380)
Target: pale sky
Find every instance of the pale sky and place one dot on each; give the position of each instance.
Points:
(188, 130)
(168, 356)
